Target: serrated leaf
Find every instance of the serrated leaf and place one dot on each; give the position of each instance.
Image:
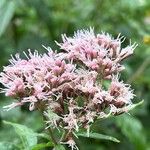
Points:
(42, 145)
(7, 9)
(27, 136)
(98, 136)
(59, 147)
(8, 146)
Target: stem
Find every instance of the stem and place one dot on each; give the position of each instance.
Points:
(50, 132)
(140, 70)
(41, 109)
(63, 136)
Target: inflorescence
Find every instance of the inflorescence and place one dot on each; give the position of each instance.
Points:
(77, 85)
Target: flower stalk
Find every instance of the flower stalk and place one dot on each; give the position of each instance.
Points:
(50, 131)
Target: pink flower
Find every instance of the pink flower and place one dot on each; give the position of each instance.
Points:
(121, 92)
(71, 120)
(70, 87)
(96, 51)
(71, 144)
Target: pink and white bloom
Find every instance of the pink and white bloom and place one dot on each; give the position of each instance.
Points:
(69, 87)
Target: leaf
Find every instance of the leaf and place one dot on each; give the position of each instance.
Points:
(98, 136)
(132, 128)
(42, 145)
(43, 135)
(59, 147)
(27, 136)
(51, 115)
(130, 107)
(8, 146)
(7, 9)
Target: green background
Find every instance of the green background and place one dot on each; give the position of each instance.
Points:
(29, 24)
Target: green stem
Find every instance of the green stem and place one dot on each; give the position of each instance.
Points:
(41, 109)
(140, 70)
(63, 136)
(50, 131)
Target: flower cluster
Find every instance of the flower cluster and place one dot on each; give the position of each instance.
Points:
(36, 78)
(100, 52)
(70, 87)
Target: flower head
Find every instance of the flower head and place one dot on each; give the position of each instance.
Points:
(99, 52)
(69, 86)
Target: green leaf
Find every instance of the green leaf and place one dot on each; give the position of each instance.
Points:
(7, 9)
(51, 115)
(130, 107)
(42, 145)
(59, 147)
(27, 136)
(43, 135)
(132, 128)
(8, 146)
(98, 136)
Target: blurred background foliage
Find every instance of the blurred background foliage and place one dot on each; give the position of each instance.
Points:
(30, 24)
